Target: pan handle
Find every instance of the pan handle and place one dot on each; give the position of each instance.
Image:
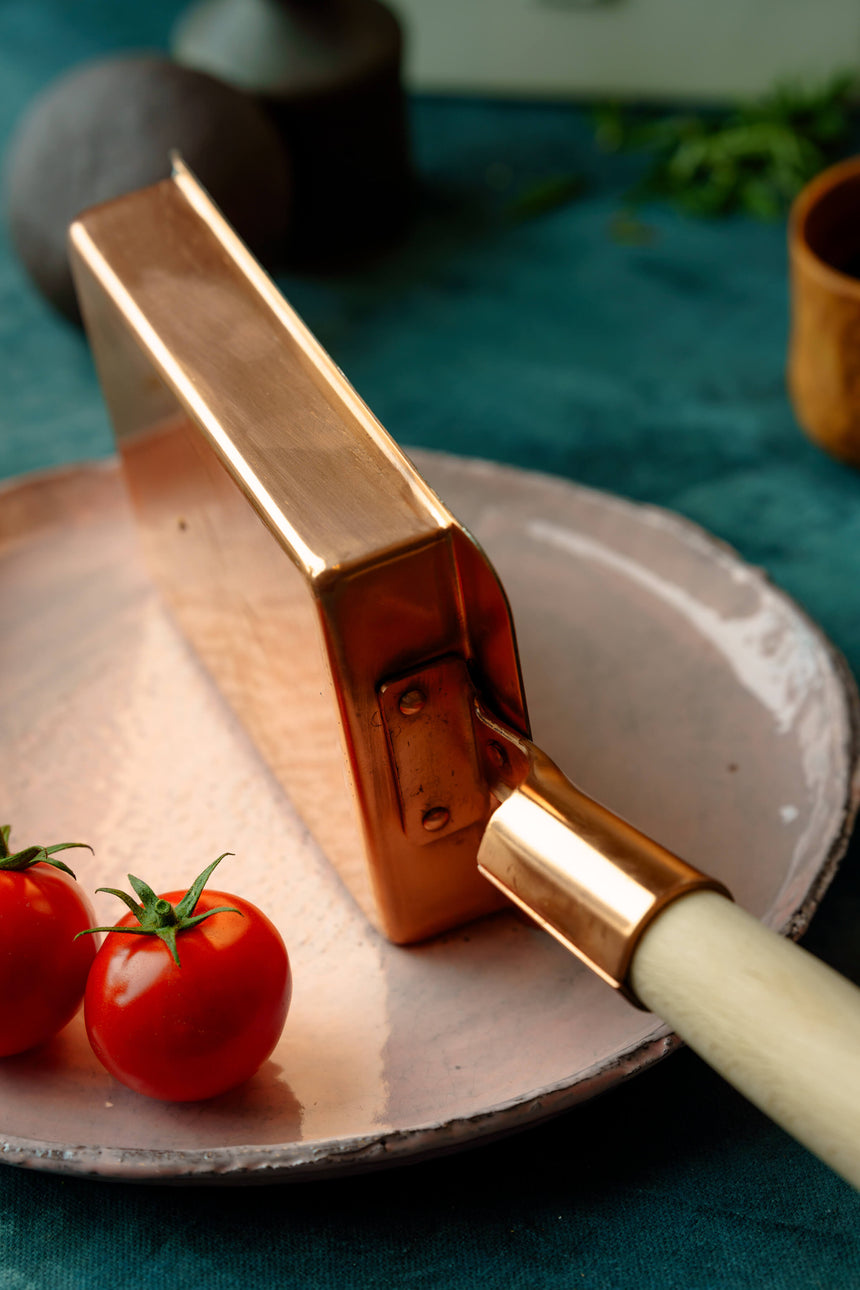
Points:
(779, 1025)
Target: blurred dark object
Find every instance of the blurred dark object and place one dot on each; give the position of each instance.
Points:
(755, 158)
(329, 71)
(108, 127)
(824, 355)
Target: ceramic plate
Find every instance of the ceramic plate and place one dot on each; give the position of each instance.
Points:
(668, 678)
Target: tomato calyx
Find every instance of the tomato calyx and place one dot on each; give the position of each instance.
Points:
(18, 861)
(157, 917)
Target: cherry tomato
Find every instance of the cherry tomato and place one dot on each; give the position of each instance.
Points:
(43, 969)
(188, 1030)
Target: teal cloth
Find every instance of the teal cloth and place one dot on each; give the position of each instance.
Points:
(654, 370)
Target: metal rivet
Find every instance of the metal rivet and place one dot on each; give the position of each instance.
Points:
(436, 818)
(412, 701)
(497, 754)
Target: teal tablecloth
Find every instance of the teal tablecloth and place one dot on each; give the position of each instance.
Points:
(656, 371)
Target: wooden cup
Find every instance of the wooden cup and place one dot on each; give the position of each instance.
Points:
(824, 344)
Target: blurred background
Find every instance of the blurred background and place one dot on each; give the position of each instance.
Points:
(636, 48)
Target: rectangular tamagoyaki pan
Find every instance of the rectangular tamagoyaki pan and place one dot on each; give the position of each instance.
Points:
(366, 643)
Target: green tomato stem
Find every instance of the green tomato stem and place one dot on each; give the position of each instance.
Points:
(157, 917)
(18, 861)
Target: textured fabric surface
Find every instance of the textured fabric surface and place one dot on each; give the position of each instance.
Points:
(654, 370)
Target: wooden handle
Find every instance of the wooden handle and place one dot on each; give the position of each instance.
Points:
(779, 1025)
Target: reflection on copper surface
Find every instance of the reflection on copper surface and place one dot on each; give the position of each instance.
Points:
(346, 615)
(301, 553)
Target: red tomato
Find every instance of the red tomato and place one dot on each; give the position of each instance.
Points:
(43, 969)
(186, 1032)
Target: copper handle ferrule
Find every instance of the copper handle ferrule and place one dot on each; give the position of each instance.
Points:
(586, 876)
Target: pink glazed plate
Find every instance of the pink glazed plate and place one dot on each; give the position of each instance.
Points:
(669, 680)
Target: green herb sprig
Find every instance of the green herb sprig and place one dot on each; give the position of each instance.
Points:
(754, 158)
